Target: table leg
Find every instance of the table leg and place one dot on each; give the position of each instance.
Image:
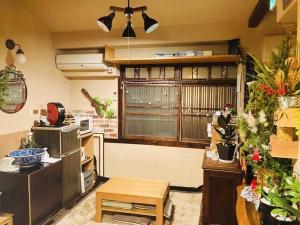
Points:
(98, 216)
(160, 212)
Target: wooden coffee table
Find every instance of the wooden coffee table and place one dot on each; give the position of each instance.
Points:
(129, 190)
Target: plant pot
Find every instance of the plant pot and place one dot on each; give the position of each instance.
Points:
(265, 212)
(274, 221)
(285, 102)
(225, 152)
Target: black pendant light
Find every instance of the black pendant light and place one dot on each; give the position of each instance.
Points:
(149, 23)
(105, 23)
(128, 32)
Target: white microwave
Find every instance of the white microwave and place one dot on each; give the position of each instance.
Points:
(85, 123)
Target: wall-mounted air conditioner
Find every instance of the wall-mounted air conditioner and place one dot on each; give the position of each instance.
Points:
(80, 62)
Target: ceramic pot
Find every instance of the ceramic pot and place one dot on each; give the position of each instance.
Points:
(285, 102)
(274, 221)
(225, 152)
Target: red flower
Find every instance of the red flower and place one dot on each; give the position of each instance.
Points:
(253, 184)
(256, 156)
(281, 90)
(267, 89)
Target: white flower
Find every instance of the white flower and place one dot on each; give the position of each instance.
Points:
(251, 120)
(245, 115)
(254, 129)
(262, 116)
(250, 83)
(265, 147)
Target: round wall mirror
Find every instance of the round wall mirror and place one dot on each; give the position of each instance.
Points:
(16, 93)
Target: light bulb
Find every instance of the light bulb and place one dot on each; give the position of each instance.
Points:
(20, 57)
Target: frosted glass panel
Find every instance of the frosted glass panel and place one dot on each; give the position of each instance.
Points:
(151, 110)
(199, 102)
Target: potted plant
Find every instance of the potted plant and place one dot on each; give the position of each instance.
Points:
(226, 147)
(284, 201)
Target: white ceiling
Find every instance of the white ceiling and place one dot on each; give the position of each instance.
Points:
(81, 15)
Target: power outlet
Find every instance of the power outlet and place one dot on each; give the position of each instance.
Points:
(33, 113)
(115, 96)
(110, 69)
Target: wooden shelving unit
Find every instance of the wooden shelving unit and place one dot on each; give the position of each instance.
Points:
(287, 14)
(280, 148)
(145, 212)
(283, 149)
(170, 60)
(87, 142)
(110, 58)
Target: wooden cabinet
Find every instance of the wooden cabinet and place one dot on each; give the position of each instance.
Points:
(219, 192)
(32, 195)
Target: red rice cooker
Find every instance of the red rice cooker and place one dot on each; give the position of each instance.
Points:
(55, 113)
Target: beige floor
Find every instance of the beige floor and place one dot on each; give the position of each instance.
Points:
(187, 211)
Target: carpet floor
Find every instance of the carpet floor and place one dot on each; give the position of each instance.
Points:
(187, 211)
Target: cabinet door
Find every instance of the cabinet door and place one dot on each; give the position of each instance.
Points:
(14, 188)
(70, 140)
(219, 197)
(46, 192)
(71, 177)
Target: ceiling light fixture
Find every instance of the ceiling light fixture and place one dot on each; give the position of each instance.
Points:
(105, 22)
(20, 57)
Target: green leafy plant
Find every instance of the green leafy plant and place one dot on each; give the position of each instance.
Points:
(3, 87)
(287, 199)
(226, 131)
(103, 109)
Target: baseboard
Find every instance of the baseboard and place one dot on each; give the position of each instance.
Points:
(175, 188)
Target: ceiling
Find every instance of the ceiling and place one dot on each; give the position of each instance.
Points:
(81, 15)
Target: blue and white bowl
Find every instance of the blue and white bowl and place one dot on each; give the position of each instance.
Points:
(27, 157)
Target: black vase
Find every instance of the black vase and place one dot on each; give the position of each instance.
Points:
(265, 214)
(225, 152)
(249, 175)
(277, 222)
(268, 219)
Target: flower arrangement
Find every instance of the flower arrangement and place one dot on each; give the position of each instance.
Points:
(279, 82)
(280, 78)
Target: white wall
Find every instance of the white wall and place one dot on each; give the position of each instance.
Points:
(102, 88)
(180, 166)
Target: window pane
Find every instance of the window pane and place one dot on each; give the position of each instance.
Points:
(151, 126)
(151, 110)
(198, 101)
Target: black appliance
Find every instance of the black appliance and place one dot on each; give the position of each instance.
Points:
(64, 142)
(234, 47)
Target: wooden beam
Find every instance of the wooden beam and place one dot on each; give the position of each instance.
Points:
(259, 12)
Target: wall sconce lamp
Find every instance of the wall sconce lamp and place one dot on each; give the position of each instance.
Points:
(20, 57)
(105, 22)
